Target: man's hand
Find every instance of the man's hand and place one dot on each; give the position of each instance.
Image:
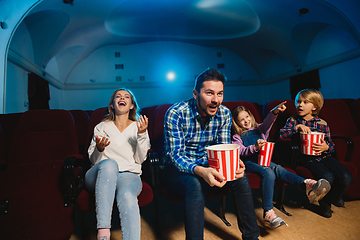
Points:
(240, 172)
(210, 175)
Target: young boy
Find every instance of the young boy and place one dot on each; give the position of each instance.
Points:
(308, 104)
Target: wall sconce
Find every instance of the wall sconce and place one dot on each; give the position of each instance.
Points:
(71, 2)
(4, 25)
(303, 11)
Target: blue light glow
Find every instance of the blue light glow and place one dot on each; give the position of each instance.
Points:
(170, 76)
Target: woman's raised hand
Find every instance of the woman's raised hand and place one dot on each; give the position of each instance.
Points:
(101, 143)
(142, 123)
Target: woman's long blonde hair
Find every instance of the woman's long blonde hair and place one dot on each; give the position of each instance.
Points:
(235, 127)
(133, 114)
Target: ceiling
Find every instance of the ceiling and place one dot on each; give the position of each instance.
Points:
(256, 30)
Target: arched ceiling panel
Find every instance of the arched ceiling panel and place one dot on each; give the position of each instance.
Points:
(330, 42)
(302, 38)
(45, 28)
(184, 19)
(260, 32)
(66, 59)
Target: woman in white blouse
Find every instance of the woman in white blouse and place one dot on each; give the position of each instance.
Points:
(117, 150)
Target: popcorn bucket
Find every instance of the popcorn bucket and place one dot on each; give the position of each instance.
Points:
(307, 141)
(224, 158)
(265, 154)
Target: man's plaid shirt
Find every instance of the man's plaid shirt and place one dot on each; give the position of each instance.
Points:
(186, 136)
(315, 124)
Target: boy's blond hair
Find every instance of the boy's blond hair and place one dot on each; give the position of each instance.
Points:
(314, 96)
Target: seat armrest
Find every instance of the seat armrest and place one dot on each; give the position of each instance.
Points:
(154, 158)
(287, 152)
(74, 169)
(350, 146)
(154, 168)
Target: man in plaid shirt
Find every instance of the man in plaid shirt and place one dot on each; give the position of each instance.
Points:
(308, 105)
(189, 127)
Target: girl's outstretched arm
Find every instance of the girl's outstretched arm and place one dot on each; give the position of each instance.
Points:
(279, 108)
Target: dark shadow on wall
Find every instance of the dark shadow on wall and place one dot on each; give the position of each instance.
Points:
(309, 80)
(38, 92)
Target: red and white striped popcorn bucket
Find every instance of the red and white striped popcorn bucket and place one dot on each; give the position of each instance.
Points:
(265, 154)
(307, 141)
(224, 158)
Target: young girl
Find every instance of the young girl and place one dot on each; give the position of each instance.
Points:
(308, 104)
(117, 150)
(251, 136)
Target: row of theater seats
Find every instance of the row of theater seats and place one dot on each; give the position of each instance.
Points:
(32, 170)
(34, 150)
(31, 203)
(342, 116)
(41, 173)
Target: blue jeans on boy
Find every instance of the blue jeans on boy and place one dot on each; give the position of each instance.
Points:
(268, 175)
(195, 189)
(105, 180)
(336, 173)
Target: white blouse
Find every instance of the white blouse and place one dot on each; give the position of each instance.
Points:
(128, 148)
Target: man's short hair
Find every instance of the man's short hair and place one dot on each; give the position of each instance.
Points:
(207, 75)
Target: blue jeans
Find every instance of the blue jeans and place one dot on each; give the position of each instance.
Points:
(105, 180)
(195, 189)
(333, 171)
(268, 175)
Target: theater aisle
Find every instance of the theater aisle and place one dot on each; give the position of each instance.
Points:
(303, 224)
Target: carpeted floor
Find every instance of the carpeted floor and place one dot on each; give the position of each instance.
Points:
(304, 223)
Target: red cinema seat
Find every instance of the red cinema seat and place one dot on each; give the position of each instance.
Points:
(82, 121)
(282, 117)
(3, 160)
(32, 183)
(8, 123)
(342, 126)
(356, 112)
(149, 113)
(254, 108)
(84, 199)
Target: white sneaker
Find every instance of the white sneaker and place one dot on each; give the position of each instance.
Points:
(272, 220)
